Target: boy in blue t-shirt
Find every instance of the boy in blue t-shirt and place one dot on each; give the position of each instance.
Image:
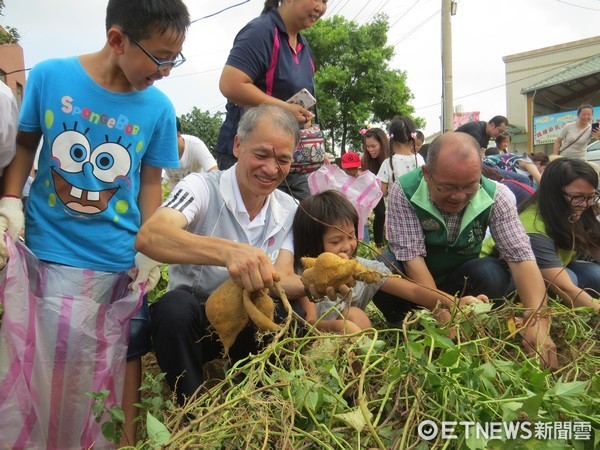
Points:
(106, 134)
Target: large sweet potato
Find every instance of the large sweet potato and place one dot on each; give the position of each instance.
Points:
(329, 269)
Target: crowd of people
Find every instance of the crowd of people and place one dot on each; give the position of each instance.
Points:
(463, 224)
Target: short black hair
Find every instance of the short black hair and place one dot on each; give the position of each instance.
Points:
(178, 122)
(141, 18)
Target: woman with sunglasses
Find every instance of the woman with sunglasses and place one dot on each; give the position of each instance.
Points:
(560, 219)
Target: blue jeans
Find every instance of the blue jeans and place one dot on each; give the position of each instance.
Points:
(586, 275)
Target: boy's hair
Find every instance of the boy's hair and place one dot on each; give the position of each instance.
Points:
(178, 124)
(420, 135)
(329, 208)
(498, 120)
(141, 18)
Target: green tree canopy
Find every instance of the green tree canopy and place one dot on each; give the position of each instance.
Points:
(202, 125)
(8, 35)
(353, 82)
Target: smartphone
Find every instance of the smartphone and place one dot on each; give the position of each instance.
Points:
(303, 98)
(595, 126)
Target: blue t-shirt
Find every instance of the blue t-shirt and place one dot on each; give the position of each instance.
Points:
(82, 209)
(261, 50)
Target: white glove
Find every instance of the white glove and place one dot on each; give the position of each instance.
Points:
(145, 270)
(11, 220)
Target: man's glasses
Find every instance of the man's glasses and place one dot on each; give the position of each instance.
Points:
(449, 189)
(160, 65)
(578, 200)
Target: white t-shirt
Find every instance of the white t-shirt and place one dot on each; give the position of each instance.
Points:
(402, 164)
(196, 158)
(9, 119)
(573, 147)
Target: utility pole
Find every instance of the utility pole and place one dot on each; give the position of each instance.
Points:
(448, 10)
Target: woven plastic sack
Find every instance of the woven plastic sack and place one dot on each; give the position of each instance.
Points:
(64, 333)
(363, 191)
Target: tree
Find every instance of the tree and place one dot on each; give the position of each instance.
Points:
(202, 125)
(353, 81)
(8, 35)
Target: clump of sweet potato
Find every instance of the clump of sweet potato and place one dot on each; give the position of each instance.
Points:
(230, 307)
(329, 269)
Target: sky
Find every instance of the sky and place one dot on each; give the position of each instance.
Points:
(483, 32)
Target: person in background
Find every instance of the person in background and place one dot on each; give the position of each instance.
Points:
(270, 62)
(351, 163)
(335, 231)
(104, 178)
(541, 160)
(502, 143)
(9, 119)
(437, 220)
(513, 166)
(194, 156)
(574, 138)
(419, 141)
(403, 158)
(484, 131)
(376, 150)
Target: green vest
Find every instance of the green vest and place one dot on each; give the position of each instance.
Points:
(533, 224)
(442, 256)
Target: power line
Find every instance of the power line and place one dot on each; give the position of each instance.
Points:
(507, 84)
(415, 28)
(577, 6)
(219, 12)
(407, 11)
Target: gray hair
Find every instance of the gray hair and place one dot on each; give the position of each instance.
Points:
(277, 116)
(465, 151)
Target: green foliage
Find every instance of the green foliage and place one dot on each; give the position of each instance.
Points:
(372, 390)
(353, 81)
(112, 428)
(11, 36)
(202, 125)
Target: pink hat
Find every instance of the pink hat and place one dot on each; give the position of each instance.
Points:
(350, 160)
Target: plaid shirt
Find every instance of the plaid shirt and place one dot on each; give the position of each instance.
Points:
(407, 241)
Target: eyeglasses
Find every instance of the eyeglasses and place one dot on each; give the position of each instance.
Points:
(160, 65)
(578, 200)
(449, 189)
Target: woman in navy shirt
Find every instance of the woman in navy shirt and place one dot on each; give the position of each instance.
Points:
(270, 62)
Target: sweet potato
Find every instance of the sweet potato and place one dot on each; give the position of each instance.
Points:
(332, 270)
(230, 307)
(226, 313)
(261, 309)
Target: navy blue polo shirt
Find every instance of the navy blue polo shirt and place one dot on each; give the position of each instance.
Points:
(261, 50)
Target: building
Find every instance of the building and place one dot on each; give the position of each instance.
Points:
(12, 68)
(547, 81)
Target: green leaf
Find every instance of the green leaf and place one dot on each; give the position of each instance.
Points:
(572, 389)
(158, 433)
(108, 430)
(449, 357)
(117, 414)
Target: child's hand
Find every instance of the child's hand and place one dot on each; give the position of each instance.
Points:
(469, 300)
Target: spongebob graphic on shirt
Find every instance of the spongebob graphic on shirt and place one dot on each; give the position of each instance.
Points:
(83, 204)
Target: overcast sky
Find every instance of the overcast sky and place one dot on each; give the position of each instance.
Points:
(483, 31)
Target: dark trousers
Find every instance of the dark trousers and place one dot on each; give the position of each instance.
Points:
(183, 342)
(489, 276)
(225, 160)
(379, 222)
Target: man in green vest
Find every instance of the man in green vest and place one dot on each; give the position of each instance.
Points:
(436, 221)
